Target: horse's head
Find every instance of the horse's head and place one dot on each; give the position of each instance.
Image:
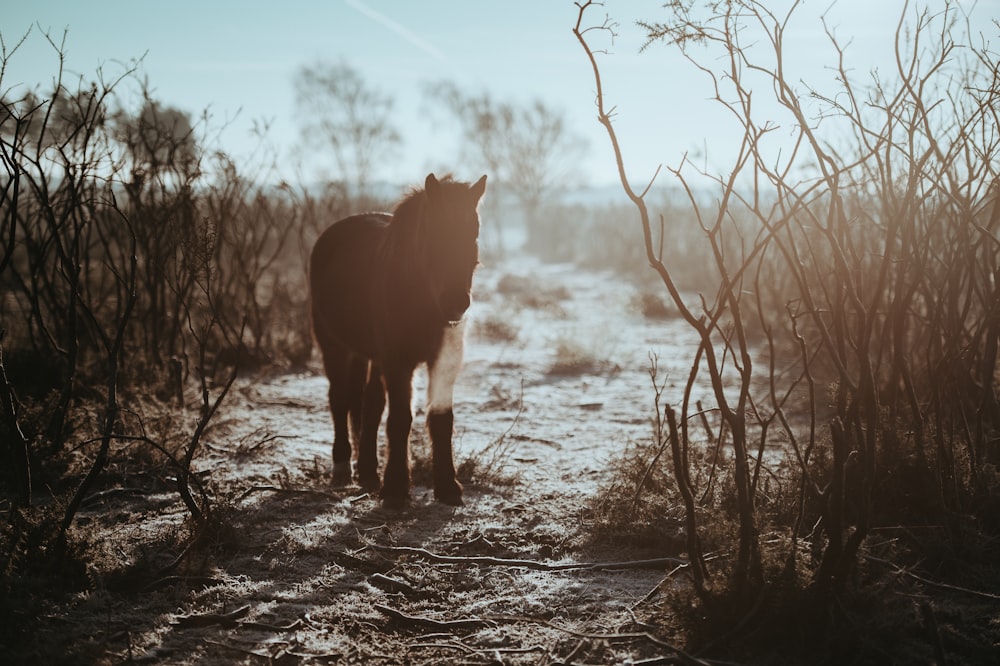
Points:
(451, 237)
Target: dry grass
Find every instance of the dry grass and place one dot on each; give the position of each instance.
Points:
(525, 291)
(496, 327)
(651, 304)
(574, 354)
(914, 598)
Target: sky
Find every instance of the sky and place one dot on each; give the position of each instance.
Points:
(238, 61)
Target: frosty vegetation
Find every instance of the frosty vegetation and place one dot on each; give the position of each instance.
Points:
(844, 297)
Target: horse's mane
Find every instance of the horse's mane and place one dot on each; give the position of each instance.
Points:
(409, 209)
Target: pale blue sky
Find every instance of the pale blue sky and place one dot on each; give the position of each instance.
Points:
(241, 57)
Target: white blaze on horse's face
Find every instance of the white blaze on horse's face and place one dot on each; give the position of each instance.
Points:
(452, 237)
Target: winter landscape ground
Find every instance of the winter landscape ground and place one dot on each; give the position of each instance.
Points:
(555, 389)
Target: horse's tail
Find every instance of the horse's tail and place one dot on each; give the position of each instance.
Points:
(357, 376)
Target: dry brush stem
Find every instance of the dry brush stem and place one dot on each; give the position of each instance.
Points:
(17, 448)
(734, 345)
(114, 349)
(209, 406)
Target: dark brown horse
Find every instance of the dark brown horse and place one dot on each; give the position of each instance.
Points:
(388, 293)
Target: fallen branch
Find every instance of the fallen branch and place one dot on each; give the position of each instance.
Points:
(242, 650)
(933, 583)
(461, 647)
(392, 585)
(205, 581)
(210, 619)
(657, 589)
(439, 625)
(485, 560)
(288, 491)
(276, 628)
(349, 561)
(488, 655)
(679, 656)
(112, 492)
(232, 620)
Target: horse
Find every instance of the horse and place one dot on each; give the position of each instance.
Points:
(388, 293)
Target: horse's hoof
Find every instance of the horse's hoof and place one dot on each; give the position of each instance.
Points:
(449, 494)
(394, 501)
(369, 483)
(341, 474)
(395, 495)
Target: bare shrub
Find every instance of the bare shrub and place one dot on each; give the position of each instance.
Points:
(651, 305)
(138, 265)
(870, 260)
(341, 109)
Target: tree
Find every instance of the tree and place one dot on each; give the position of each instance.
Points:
(163, 162)
(527, 150)
(339, 108)
(158, 139)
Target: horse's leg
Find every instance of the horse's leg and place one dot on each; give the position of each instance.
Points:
(443, 372)
(371, 418)
(396, 481)
(336, 363)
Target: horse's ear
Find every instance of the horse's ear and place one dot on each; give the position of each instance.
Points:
(431, 185)
(479, 188)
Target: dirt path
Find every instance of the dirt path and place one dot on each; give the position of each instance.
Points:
(555, 385)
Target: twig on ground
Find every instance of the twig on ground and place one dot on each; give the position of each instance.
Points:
(485, 560)
(933, 583)
(349, 561)
(170, 580)
(288, 491)
(111, 492)
(233, 620)
(243, 448)
(658, 588)
(455, 645)
(276, 628)
(440, 625)
(242, 650)
(392, 585)
(209, 619)
(679, 657)
(180, 558)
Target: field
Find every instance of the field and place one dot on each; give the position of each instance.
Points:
(554, 394)
(555, 389)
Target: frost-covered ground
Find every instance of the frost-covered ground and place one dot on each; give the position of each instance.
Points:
(556, 384)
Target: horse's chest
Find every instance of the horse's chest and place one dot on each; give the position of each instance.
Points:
(415, 341)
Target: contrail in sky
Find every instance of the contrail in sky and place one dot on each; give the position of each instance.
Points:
(400, 30)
